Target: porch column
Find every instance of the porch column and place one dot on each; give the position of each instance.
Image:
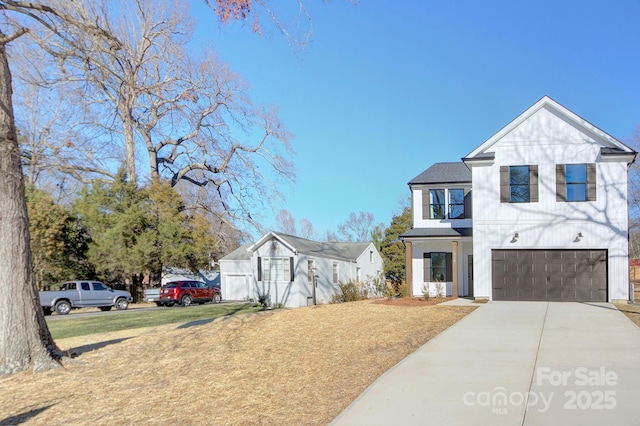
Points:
(408, 276)
(454, 267)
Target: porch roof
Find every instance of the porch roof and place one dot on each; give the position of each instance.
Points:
(437, 233)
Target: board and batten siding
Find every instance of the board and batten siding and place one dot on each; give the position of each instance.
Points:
(546, 140)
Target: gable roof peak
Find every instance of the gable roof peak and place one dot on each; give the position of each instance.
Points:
(568, 115)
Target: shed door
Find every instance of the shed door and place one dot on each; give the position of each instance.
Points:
(550, 275)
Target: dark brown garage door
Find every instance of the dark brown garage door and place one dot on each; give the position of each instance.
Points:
(554, 275)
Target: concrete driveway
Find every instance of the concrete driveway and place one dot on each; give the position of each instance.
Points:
(514, 363)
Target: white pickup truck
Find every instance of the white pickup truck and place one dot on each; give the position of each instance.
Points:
(83, 294)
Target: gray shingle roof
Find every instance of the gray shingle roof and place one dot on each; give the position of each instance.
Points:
(241, 253)
(333, 250)
(444, 173)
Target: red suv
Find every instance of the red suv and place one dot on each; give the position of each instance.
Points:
(187, 292)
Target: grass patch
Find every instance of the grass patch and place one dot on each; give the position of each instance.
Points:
(631, 311)
(73, 327)
(278, 367)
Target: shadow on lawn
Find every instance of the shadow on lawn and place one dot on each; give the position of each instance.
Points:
(23, 417)
(74, 352)
(232, 312)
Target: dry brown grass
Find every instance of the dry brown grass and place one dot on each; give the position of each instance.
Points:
(631, 311)
(300, 366)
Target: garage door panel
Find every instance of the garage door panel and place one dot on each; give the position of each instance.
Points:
(563, 275)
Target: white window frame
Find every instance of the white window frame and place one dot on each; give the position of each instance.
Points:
(282, 269)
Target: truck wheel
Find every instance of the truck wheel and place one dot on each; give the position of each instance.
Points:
(159, 304)
(217, 298)
(121, 304)
(105, 308)
(186, 300)
(63, 307)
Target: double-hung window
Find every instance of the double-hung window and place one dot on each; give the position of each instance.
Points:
(576, 179)
(437, 206)
(519, 184)
(335, 273)
(456, 204)
(276, 269)
(575, 182)
(438, 267)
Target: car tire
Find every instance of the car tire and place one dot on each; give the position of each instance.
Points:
(121, 304)
(63, 307)
(105, 308)
(217, 298)
(186, 300)
(159, 304)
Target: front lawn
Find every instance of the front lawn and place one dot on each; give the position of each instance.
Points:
(298, 366)
(62, 328)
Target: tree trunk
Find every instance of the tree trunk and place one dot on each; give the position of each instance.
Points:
(25, 340)
(130, 145)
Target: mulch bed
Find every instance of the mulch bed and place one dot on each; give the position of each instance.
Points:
(413, 301)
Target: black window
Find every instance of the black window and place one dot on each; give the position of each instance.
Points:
(98, 286)
(436, 204)
(85, 286)
(576, 182)
(438, 269)
(456, 204)
(519, 184)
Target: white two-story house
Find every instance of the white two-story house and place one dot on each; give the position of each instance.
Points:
(537, 212)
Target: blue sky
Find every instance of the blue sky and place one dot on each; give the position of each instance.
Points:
(387, 88)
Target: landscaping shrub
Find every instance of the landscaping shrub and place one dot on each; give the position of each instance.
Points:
(403, 290)
(350, 292)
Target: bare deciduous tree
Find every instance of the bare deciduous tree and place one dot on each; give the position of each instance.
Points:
(79, 29)
(357, 228)
(53, 138)
(307, 230)
(181, 116)
(286, 223)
